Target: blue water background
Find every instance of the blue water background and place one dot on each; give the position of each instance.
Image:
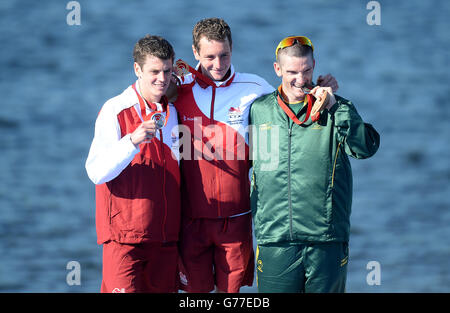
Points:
(55, 77)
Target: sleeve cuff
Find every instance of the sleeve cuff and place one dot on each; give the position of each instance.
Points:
(131, 148)
(335, 106)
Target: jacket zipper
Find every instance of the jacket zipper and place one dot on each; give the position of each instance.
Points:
(334, 165)
(289, 181)
(163, 184)
(211, 121)
(213, 97)
(110, 205)
(290, 125)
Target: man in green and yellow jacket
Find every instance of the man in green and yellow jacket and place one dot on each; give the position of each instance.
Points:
(302, 180)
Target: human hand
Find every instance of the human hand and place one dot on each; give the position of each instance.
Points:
(324, 100)
(328, 81)
(145, 131)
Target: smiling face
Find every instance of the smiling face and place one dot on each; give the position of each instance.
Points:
(154, 77)
(214, 57)
(295, 72)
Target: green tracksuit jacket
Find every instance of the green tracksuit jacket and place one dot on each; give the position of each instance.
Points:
(302, 179)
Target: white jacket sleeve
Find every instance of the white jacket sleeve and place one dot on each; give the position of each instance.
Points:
(109, 154)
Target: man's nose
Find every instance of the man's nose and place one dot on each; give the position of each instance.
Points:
(217, 63)
(162, 76)
(301, 79)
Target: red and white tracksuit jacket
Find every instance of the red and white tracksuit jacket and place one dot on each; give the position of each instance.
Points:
(137, 188)
(215, 159)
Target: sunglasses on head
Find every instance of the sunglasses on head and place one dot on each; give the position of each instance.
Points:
(290, 41)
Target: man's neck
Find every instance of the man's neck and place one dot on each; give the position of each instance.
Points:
(227, 75)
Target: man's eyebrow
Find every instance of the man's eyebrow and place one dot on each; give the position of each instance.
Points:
(158, 70)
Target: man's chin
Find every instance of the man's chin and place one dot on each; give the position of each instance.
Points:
(299, 94)
(159, 93)
(217, 77)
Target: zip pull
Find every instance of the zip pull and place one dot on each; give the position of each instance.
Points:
(290, 131)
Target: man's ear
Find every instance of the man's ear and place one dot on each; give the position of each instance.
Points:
(277, 68)
(196, 54)
(314, 63)
(137, 70)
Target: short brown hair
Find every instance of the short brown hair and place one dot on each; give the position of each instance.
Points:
(212, 29)
(296, 50)
(152, 45)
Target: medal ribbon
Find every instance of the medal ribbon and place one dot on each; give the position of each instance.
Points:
(152, 106)
(182, 68)
(289, 112)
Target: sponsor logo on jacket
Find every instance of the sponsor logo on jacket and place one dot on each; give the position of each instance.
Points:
(235, 116)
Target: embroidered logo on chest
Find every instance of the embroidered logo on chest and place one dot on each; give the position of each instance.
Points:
(235, 116)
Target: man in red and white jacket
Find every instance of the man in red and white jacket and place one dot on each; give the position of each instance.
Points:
(134, 162)
(213, 102)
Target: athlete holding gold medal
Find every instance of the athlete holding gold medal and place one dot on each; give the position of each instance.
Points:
(301, 206)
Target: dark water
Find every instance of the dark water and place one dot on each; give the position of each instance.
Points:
(55, 77)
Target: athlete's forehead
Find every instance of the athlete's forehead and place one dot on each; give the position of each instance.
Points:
(209, 46)
(294, 63)
(154, 63)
